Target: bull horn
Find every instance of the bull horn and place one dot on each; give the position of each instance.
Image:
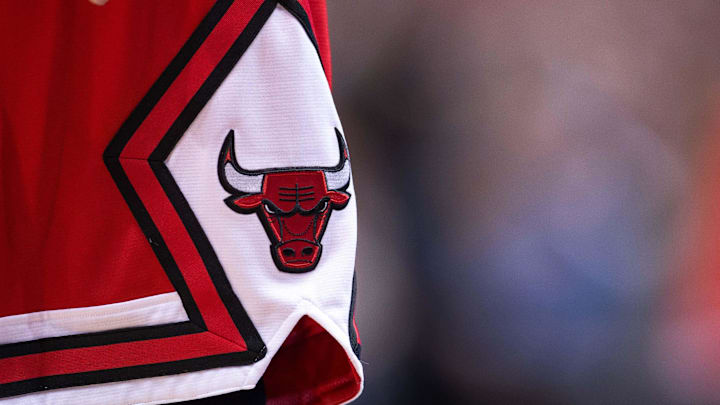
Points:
(233, 177)
(338, 177)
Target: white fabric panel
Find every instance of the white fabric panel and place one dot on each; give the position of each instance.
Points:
(182, 387)
(278, 102)
(148, 311)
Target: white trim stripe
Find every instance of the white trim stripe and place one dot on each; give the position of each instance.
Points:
(154, 310)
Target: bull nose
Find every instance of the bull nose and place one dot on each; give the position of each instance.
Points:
(298, 252)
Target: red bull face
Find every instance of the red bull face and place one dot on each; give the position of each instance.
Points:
(294, 207)
(293, 204)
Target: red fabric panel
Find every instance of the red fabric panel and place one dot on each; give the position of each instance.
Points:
(112, 356)
(189, 81)
(317, 12)
(310, 368)
(145, 140)
(71, 74)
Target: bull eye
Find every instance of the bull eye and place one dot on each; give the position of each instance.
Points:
(323, 206)
(269, 209)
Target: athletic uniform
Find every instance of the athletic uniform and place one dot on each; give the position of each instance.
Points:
(178, 213)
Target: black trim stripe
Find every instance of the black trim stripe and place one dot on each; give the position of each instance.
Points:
(255, 345)
(211, 84)
(212, 263)
(256, 348)
(168, 76)
(121, 374)
(296, 9)
(155, 239)
(99, 338)
(157, 157)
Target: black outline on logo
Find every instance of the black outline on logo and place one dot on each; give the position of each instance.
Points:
(255, 346)
(229, 146)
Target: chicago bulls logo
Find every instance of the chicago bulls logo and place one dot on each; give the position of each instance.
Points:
(293, 204)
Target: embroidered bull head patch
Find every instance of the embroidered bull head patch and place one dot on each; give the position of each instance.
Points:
(294, 204)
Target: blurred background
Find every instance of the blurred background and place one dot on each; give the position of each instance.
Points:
(539, 198)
